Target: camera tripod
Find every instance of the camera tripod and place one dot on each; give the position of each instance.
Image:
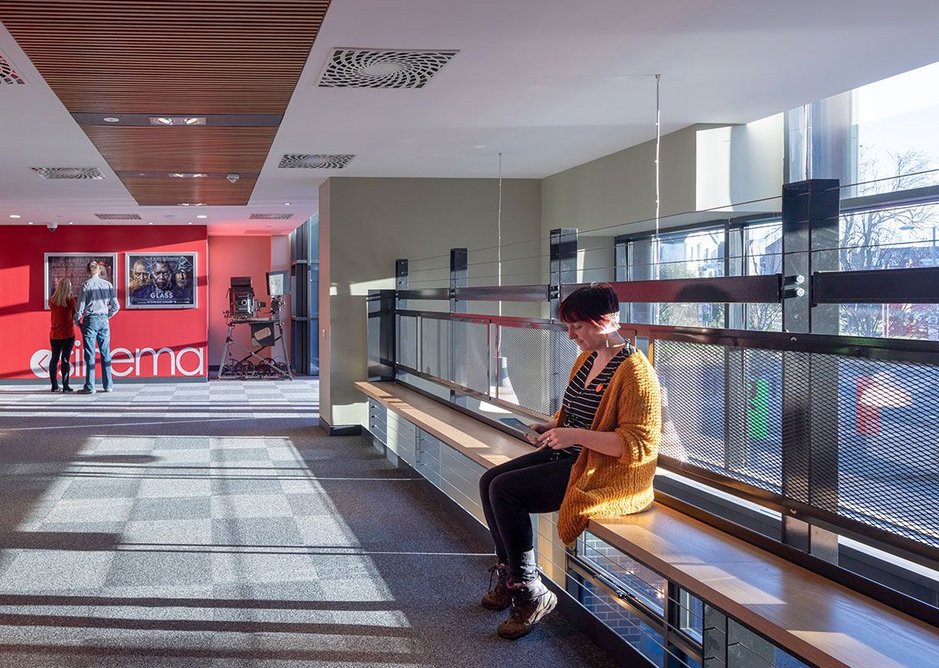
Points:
(254, 366)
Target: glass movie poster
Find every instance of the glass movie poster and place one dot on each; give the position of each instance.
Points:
(74, 266)
(161, 281)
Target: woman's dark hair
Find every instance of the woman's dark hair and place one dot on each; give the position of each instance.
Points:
(594, 303)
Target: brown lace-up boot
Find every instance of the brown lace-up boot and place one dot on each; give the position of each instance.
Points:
(498, 597)
(530, 602)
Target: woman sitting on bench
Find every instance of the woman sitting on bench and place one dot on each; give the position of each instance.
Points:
(596, 458)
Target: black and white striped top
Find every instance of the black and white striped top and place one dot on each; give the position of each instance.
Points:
(581, 403)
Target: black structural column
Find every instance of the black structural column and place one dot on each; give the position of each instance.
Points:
(563, 271)
(459, 258)
(563, 268)
(810, 382)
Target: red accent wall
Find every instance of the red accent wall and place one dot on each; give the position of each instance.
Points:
(145, 343)
(234, 256)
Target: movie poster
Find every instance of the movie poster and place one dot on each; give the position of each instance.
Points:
(161, 281)
(74, 266)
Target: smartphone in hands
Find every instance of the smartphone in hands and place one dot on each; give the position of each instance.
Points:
(515, 423)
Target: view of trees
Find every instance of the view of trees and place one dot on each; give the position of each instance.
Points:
(890, 238)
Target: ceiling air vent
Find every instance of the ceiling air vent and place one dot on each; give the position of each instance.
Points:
(8, 75)
(118, 216)
(308, 161)
(70, 173)
(270, 216)
(376, 68)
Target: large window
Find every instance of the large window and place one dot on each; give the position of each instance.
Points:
(889, 238)
(896, 122)
(684, 254)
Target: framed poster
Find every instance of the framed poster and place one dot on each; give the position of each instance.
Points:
(74, 266)
(160, 280)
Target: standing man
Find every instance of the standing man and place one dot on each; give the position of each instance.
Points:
(97, 303)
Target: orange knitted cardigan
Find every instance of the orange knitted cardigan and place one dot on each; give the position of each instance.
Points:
(605, 486)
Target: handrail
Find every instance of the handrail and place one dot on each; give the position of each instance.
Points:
(764, 289)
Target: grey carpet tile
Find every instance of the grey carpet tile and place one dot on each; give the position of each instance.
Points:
(159, 568)
(254, 482)
(175, 482)
(90, 510)
(241, 455)
(55, 570)
(91, 487)
(168, 532)
(249, 505)
(171, 508)
(280, 531)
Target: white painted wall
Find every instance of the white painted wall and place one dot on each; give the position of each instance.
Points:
(366, 224)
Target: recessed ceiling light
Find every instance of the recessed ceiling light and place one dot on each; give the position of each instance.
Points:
(70, 222)
(150, 223)
(30, 223)
(189, 223)
(112, 119)
(202, 215)
(286, 203)
(14, 215)
(177, 120)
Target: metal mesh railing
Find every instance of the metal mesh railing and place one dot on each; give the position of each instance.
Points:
(435, 347)
(870, 428)
(722, 410)
(533, 365)
(888, 444)
(471, 358)
(407, 341)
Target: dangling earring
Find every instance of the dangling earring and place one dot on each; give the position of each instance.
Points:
(606, 340)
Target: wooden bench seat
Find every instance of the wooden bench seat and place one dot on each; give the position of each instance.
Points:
(819, 620)
(802, 612)
(483, 444)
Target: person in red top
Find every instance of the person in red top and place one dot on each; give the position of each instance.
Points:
(62, 303)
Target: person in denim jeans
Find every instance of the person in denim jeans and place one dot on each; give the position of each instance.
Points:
(97, 304)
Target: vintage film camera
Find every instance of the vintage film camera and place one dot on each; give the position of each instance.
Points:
(241, 302)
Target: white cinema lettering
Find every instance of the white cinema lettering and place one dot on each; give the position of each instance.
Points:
(125, 363)
(175, 360)
(121, 356)
(200, 358)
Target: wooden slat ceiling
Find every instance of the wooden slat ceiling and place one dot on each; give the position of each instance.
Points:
(198, 148)
(171, 57)
(154, 191)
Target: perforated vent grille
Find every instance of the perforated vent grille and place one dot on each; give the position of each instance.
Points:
(9, 75)
(370, 68)
(315, 161)
(117, 216)
(270, 216)
(69, 173)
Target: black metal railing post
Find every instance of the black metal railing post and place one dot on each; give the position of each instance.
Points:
(810, 382)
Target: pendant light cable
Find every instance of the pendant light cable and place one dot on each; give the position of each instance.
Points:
(658, 142)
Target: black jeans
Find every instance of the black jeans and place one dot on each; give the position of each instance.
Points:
(60, 348)
(532, 483)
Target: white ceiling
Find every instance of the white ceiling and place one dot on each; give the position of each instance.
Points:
(549, 83)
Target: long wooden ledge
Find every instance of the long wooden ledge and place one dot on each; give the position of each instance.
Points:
(820, 620)
(483, 444)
